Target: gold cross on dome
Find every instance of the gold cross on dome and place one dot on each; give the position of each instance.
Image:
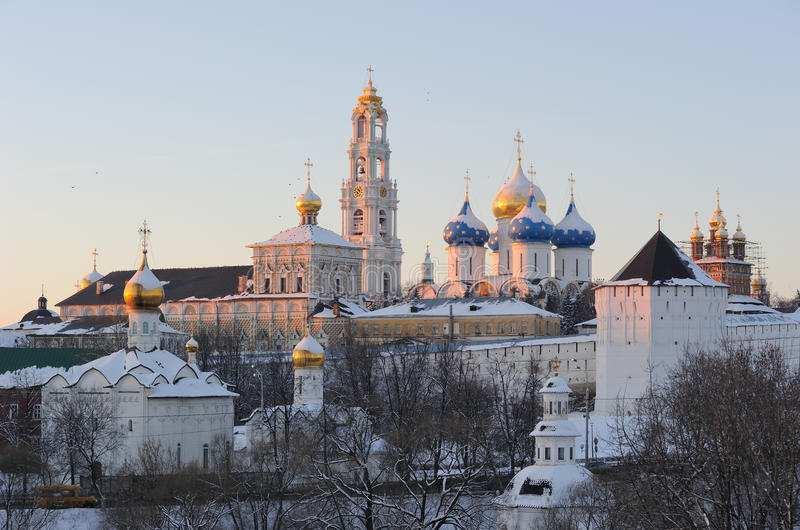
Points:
(370, 69)
(519, 141)
(467, 180)
(144, 234)
(309, 164)
(94, 259)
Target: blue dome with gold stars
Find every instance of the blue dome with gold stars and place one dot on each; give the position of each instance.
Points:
(531, 224)
(465, 228)
(494, 241)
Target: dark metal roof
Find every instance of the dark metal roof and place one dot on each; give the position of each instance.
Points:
(40, 316)
(12, 359)
(658, 260)
(201, 282)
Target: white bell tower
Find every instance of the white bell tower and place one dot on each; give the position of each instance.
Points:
(369, 198)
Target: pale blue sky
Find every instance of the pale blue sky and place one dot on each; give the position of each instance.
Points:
(198, 116)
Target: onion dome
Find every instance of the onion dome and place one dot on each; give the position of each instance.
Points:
(696, 234)
(308, 202)
(717, 219)
(494, 241)
(739, 234)
(192, 346)
(512, 196)
(531, 224)
(465, 228)
(573, 230)
(308, 353)
(93, 276)
(143, 290)
(722, 233)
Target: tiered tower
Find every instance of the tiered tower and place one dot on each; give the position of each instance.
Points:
(369, 198)
(143, 295)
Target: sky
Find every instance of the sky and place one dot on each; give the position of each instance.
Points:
(198, 116)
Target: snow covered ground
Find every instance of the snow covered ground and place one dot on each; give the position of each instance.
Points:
(72, 519)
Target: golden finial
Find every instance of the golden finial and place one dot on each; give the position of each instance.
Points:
(660, 217)
(467, 180)
(571, 181)
(309, 164)
(519, 141)
(144, 234)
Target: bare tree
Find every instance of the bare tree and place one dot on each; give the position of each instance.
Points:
(83, 430)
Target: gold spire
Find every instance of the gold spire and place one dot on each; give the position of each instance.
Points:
(717, 220)
(369, 95)
(143, 290)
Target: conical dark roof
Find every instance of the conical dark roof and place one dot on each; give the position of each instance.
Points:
(661, 261)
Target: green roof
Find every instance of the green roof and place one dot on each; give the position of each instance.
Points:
(12, 359)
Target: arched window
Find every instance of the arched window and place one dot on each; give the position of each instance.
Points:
(338, 285)
(379, 168)
(386, 283)
(133, 328)
(358, 222)
(178, 455)
(361, 167)
(145, 328)
(379, 130)
(361, 126)
(382, 224)
(130, 425)
(205, 456)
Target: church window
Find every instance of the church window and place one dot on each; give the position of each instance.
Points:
(379, 131)
(561, 453)
(547, 453)
(205, 456)
(145, 328)
(559, 407)
(382, 222)
(133, 328)
(386, 283)
(266, 285)
(535, 261)
(576, 266)
(130, 425)
(470, 264)
(379, 169)
(361, 126)
(299, 284)
(563, 267)
(358, 222)
(338, 283)
(550, 407)
(178, 455)
(571, 453)
(283, 284)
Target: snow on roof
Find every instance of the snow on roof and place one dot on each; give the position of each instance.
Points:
(309, 344)
(738, 303)
(462, 307)
(346, 308)
(314, 234)
(540, 341)
(190, 388)
(83, 326)
(27, 377)
(661, 262)
(555, 428)
(555, 385)
(554, 482)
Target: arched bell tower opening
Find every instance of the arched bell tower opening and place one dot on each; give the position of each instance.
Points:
(369, 198)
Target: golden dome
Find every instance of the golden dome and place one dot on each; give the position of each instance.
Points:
(369, 95)
(717, 219)
(192, 346)
(308, 202)
(308, 353)
(696, 234)
(512, 196)
(143, 290)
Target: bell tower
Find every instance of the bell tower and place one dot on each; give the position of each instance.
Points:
(369, 198)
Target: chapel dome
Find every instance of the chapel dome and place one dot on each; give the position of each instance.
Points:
(573, 230)
(308, 353)
(739, 235)
(465, 228)
(531, 224)
(308, 202)
(143, 290)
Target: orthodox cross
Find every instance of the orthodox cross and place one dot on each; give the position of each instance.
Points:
(144, 233)
(519, 141)
(718, 199)
(309, 164)
(467, 180)
(370, 69)
(531, 170)
(660, 218)
(696, 219)
(94, 260)
(571, 181)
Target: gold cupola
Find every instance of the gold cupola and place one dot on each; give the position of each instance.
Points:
(717, 220)
(143, 290)
(308, 203)
(308, 353)
(696, 234)
(513, 195)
